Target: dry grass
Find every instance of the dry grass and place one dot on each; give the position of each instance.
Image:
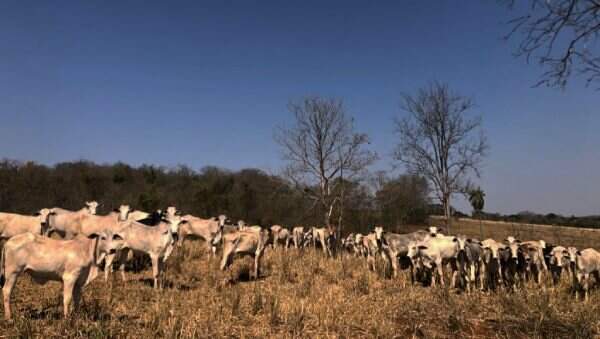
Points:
(298, 295)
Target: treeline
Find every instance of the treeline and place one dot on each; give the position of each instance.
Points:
(527, 217)
(248, 194)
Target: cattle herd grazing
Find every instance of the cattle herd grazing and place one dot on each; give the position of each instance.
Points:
(73, 246)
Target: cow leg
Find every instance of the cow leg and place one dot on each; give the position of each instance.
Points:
(155, 269)
(586, 287)
(68, 287)
(9, 284)
(227, 254)
(77, 291)
(108, 264)
(394, 260)
(440, 270)
(482, 275)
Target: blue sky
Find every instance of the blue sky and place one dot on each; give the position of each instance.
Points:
(204, 83)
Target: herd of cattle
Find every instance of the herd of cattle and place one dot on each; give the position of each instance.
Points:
(83, 241)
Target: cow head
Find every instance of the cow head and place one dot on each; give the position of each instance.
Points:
(433, 231)
(44, 217)
(107, 242)
(222, 219)
(92, 206)
(379, 236)
(572, 254)
(174, 223)
(123, 211)
(492, 248)
(514, 249)
(171, 211)
(559, 256)
(542, 244)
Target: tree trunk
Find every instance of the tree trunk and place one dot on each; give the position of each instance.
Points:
(447, 212)
(480, 227)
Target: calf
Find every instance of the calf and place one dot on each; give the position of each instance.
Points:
(250, 243)
(12, 224)
(71, 261)
(468, 260)
(439, 251)
(534, 259)
(325, 236)
(207, 229)
(513, 263)
(66, 223)
(559, 261)
(395, 246)
(155, 241)
(281, 235)
(298, 236)
(586, 262)
(490, 263)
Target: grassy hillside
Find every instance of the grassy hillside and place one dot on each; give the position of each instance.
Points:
(558, 235)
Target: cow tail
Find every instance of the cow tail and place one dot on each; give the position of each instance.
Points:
(2, 280)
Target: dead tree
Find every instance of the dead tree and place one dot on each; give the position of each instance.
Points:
(320, 147)
(561, 35)
(438, 141)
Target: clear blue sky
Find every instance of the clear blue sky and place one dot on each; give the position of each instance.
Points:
(204, 83)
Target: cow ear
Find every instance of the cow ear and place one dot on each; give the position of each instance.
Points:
(117, 237)
(52, 213)
(37, 214)
(469, 240)
(454, 239)
(422, 247)
(578, 253)
(116, 210)
(518, 241)
(93, 236)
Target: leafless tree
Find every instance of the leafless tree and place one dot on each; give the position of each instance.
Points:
(561, 35)
(439, 141)
(323, 150)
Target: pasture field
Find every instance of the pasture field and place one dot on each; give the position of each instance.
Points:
(299, 294)
(557, 235)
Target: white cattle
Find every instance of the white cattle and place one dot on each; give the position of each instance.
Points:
(71, 261)
(437, 251)
(559, 262)
(394, 246)
(468, 260)
(325, 236)
(245, 242)
(587, 262)
(207, 229)
(491, 271)
(155, 241)
(12, 224)
(298, 236)
(66, 223)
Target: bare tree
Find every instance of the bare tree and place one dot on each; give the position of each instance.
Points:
(320, 147)
(439, 141)
(561, 35)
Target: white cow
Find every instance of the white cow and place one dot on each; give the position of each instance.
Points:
(207, 229)
(436, 251)
(245, 242)
(12, 224)
(298, 236)
(71, 261)
(490, 263)
(587, 262)
(155, 241)
(66, 223)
